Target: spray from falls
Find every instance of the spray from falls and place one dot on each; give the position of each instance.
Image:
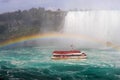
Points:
(100, 25)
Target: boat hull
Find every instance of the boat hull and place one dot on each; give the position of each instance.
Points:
(63, 58)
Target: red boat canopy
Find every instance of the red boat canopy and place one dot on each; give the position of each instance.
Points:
(66, 52)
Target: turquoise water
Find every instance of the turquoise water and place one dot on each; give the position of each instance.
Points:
(34, 63)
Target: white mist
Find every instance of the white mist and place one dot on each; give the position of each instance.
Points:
(100, 25)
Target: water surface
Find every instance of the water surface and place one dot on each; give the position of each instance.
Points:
(34, 63)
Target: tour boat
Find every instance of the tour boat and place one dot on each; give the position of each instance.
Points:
(70, 54)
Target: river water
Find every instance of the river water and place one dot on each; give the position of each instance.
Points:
(35, 63)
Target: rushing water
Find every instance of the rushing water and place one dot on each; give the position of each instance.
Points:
(35, 63)
(100, 25)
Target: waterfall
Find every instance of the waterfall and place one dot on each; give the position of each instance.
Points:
(99, 25)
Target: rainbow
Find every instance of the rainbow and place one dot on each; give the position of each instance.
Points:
(46, 35)
(50, 35)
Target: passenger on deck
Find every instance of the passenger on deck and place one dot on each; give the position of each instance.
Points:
(83, 54)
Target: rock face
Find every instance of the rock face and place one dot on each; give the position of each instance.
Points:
(27, 22)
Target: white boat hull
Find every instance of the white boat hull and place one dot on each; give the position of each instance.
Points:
(71, 57)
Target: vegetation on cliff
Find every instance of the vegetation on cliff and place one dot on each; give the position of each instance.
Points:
(27, 22)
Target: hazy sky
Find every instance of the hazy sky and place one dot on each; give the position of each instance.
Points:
(12, 5)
